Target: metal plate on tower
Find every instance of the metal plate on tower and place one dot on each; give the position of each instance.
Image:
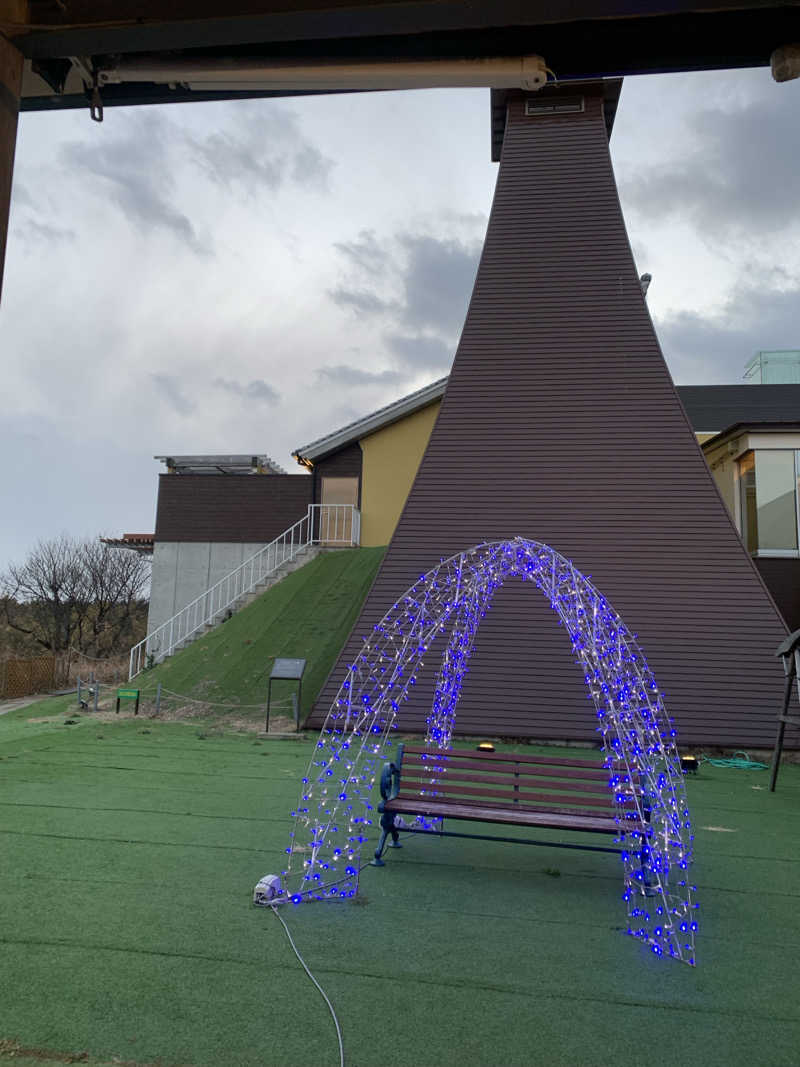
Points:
(288, 668)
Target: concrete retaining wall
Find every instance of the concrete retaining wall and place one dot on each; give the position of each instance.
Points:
(182, 570)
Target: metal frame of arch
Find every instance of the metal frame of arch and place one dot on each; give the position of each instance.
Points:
(336, 810)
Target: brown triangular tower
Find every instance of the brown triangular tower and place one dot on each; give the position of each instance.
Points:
(561, 423)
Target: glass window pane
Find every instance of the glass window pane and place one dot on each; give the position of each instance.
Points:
(747, 487)
(775, 500)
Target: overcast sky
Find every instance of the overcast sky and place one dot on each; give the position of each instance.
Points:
(246, 277)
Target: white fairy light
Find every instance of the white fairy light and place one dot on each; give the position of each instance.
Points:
(337, 810)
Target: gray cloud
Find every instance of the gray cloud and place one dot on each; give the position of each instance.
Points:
(342, 374)
(365, 253)
(228, 161)
(170, 389)
(264, 150)
(711, 349)
(362, 301)
(34, 231)
(438, 280)
(135, 170)
(20, 196)
(257, 390)
(420, 351)
(311, 169)
(722, 185)
(45, 455)
(432, 278)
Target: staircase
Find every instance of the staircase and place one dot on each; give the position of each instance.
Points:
(324, 525)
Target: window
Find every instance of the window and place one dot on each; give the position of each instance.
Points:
(768, 483)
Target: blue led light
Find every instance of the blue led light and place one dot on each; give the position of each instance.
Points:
(446, 606)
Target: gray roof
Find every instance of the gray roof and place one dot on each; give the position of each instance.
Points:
(713, 408)
(384, 416)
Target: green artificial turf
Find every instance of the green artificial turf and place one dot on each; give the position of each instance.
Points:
(128, 855)
(308, 616)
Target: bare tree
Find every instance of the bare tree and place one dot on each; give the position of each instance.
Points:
(117, 580)
(73, 592)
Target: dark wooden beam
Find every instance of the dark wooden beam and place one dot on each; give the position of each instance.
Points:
(398, 27)
(10, 87)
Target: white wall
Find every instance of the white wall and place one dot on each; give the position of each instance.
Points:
(182, 570)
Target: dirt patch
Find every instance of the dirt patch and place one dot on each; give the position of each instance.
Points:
(13, 1050)
(190, 713)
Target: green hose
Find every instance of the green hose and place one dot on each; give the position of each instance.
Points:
(739, 764)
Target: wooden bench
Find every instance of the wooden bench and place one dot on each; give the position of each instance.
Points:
(505, 788)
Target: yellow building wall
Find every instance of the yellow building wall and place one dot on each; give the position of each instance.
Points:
(723, 467)
(390, 459)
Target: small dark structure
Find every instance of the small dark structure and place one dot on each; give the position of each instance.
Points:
(290, 670)
(789, 653)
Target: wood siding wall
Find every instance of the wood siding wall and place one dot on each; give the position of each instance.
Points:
(561, 423)
(346, 463)
(229, 507)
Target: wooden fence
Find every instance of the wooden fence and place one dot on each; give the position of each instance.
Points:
(21, 677)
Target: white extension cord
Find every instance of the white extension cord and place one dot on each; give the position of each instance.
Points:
(316, 983)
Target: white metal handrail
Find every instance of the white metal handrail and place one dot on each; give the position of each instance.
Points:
(325, 524)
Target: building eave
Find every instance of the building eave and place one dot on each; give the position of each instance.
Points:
(308, 454)
(739, 428)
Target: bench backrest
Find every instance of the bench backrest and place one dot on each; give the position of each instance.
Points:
(504, 779)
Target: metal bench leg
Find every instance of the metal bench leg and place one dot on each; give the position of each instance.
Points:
(778, 750)
(377, 861)
(776, 756)
(387, 825)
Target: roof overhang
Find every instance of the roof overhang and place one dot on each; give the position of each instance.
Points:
(65, 43)
(141, 543)
(308, 455)
(739, 428)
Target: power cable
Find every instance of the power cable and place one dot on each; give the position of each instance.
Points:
(316, 983)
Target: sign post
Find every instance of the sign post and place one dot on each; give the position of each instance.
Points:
(290, 670)
(128, 694)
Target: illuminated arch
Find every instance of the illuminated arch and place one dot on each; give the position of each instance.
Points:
(337, 809)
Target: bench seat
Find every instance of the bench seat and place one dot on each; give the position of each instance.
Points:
(505, 788)
(562, 819)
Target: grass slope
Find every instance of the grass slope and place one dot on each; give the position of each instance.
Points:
(307, 616)
(128, 854)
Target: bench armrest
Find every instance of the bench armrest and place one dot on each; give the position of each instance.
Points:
(390, 782)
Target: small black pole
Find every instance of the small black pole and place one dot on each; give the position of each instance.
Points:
(269, 699)
(776, 755)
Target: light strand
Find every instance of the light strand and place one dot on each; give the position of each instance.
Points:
(337, 809)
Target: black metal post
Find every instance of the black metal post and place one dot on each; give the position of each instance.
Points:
(787, 694)
(269, 699)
